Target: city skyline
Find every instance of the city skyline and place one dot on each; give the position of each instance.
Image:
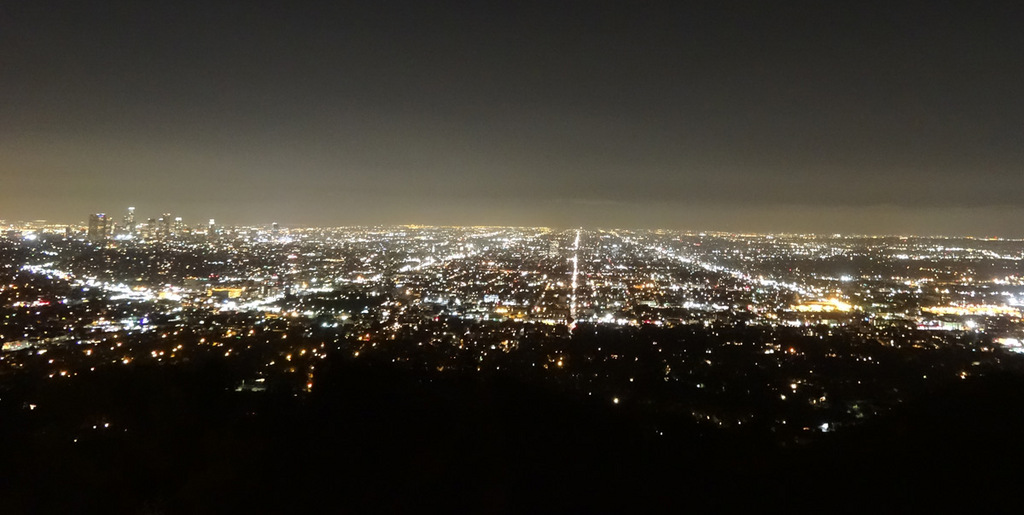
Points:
(798, 118)
(118, 221)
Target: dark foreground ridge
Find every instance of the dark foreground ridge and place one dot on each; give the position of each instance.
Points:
(372, 437)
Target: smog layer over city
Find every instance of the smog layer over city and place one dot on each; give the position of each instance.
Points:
(510, 257)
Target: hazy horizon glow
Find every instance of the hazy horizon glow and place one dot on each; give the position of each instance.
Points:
(734, 117)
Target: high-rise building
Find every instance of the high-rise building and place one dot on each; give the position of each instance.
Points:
(275, 229)
(165, 226)
(129, 221)
(97, 227)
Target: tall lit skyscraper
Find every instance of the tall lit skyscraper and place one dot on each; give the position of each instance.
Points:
(129, 221)
(165, 226)
(97, 227)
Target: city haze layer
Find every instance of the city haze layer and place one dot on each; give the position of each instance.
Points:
(734, 116)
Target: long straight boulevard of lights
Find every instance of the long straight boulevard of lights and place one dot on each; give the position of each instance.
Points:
(575, 282)
(694, 260)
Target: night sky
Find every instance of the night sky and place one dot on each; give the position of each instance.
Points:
(760, 116)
